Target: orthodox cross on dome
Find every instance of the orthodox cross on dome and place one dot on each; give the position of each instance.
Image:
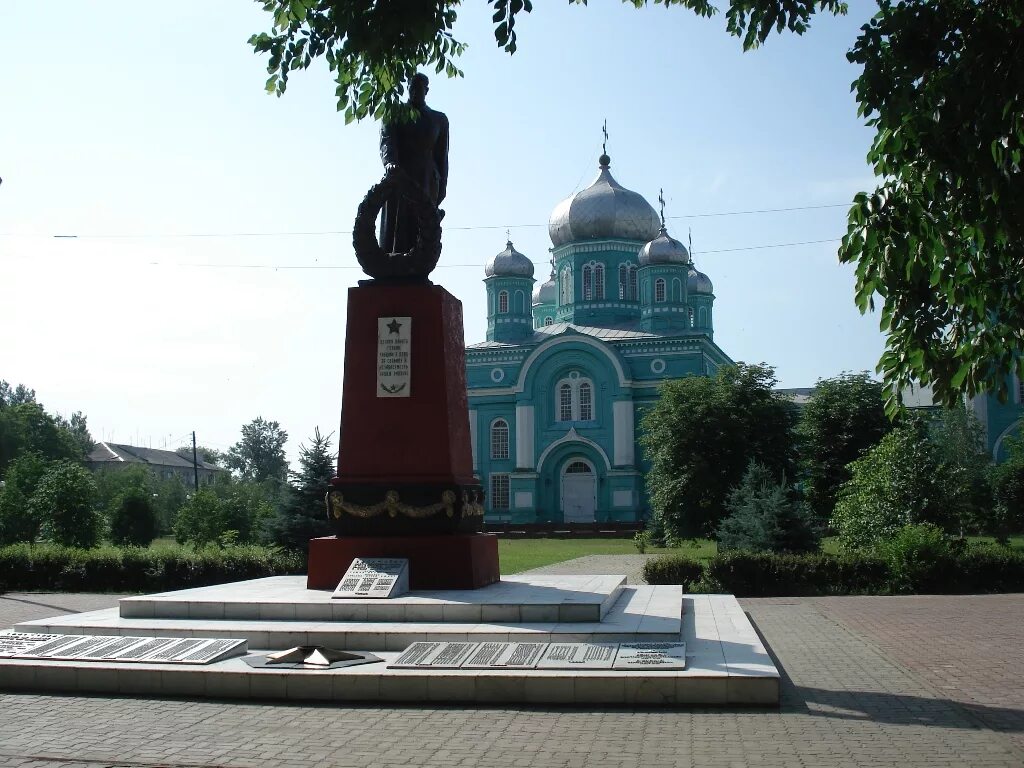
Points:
(689, 231)
(508, 236)
(661, 200)
(604, 144)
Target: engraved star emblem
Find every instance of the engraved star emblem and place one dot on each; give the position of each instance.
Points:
(393, 326)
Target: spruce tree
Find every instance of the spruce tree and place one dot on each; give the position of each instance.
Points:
(303, 515)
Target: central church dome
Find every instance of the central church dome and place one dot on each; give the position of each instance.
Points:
(605, 209)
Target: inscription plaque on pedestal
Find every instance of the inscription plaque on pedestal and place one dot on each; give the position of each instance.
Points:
(435, 655)
(498, 655)
(164, 650)
(578, 656)
(394, 360)
(374, 577)
(650, 656)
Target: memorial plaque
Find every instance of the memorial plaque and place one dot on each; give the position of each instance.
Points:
(394, 363)
(374, 577)
(505, 656)
(578, 656)
(13, 643)
(163, 650)
(649, 656)
(434, 655)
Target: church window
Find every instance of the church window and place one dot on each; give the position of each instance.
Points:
(599, 281)
(578, 468)
(548, 320)
(623, 280)
(677, 290)
(702, 316)
(565, 402)
(586, 402)
(499, 439)
(632, 281)
(566, 286)
(588, 283)
(689, 313)
(503, 302)
(659, 290)
(499, 491)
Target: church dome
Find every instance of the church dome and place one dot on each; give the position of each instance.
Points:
(545, 292)
(509, 263)
(664, 249)
(605, 209)
(698, 282)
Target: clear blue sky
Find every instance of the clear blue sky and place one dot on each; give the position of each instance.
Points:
(139, 127)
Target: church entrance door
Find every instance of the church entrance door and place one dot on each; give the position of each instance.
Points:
(579, 492)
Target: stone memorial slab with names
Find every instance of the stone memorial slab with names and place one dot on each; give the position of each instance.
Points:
(648, 656)
(164, 650)
(12, 643)
(374, 577)
(394, 361)
(578, 656)
(434, 655)
(497, 655)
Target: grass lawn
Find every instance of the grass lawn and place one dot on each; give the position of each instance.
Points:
(518, 555)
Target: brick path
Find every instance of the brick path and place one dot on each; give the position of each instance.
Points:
(863, 685)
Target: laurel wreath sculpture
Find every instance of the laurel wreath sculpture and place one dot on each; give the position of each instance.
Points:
(375, 261)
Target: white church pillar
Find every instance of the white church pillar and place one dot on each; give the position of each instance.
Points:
(472, 435)
(524, 437)
(622, 428)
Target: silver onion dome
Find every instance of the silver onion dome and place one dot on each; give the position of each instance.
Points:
(605, 209)
(545, 292)
(664, 249)
(509, 263)
(698, 282)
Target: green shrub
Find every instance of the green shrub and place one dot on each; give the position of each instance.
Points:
(133, 519)
(1007, 511)
(51, 567)
(17, 521)
(642, 540)
(920, 559)
(672, 569)
(764, 516)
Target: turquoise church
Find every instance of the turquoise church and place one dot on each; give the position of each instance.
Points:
(558, 389)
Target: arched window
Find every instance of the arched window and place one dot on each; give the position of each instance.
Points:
(599, 281)
(519, 304)
(578, 468)
(499, 439)
(659, 290)
(677, 290)
(565, 402)
(586, 402)
(503, 302)
(702, 317)
(632, 282)
(588, 283)
(548, 320)
(623, 280)
(566, 286)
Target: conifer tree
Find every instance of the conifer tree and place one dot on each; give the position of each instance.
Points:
(303, 515)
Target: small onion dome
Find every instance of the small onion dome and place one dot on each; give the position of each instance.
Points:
(509, 263)
(698, 282)
(605, 209)
(664, 249)
(545, 292)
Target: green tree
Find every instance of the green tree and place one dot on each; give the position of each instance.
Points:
(1006, 515)
(17, 521)
(244, 509)
(65, 502)
(303, 515)
(199, 520)
(209, 455)
(133, 519)
(901, 481)
(28, 427)
(959, 440)
(940, 239)
(374, 48)
(260, 455)
(699, 438)
(15, 395)
(843, 417)
(77, 434)
(766, 516)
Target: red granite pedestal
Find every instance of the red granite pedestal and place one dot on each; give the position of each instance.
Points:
(405, 484)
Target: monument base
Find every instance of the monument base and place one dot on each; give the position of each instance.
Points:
(453, 561)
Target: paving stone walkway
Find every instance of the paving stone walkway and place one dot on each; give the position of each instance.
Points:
(865, 683)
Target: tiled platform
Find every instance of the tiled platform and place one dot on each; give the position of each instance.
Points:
(639, 614)
(514, 599)
(726, 664)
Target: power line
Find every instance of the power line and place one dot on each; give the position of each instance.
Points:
(336, 232)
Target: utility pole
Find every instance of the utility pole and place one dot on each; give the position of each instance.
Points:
(195, 461)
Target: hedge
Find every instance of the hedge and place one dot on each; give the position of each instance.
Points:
(49, 567)
(973, 570)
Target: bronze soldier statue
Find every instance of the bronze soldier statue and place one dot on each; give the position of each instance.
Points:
(419, 148)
